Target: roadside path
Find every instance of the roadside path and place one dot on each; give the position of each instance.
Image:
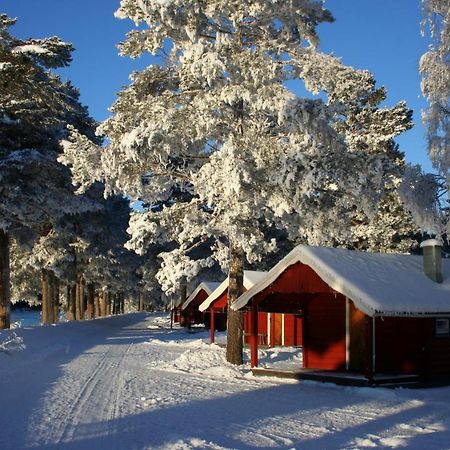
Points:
(129, 382)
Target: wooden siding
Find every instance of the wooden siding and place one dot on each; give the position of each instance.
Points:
(293, 330)
(324, 333)
(298, 278)
(399, 344)
(437, 354)
(403, 345)
(358, 341)
(220, 304)
(194, 316)
(262, 328)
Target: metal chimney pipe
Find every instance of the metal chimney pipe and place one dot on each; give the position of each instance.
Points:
(432, 259)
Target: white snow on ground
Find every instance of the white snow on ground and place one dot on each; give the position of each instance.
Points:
(129, 382)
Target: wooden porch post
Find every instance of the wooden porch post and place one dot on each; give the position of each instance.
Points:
(212, 327)
(305, 343)
(254, 336)
(347, 333)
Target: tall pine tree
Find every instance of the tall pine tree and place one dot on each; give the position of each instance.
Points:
(35, 109)
(215, 120)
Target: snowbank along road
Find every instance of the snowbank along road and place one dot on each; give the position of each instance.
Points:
(129, 382)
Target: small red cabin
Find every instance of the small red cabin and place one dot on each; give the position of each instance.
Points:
(190, 307)
(273, 328)
(217, 303)
(369, 313)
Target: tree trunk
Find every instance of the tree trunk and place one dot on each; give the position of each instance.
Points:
(184, 318)
(108, 303)
(5, 289)
(90, 301)
(50, 297)
(97, 312)
(141, 301)
(55, 299)
(71, 301)
(45, 292)
(103, 300)
(122, 303)
(235, 325)
(79, 311)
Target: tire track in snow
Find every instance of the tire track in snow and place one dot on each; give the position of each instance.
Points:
(62, 418)
(95, 403)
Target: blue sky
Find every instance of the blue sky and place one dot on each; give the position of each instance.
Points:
(382, 36)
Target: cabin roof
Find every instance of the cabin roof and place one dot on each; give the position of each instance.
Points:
(251, 277)
(379, 284)
(207, 286)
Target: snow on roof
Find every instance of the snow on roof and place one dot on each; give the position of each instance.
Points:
(207, 286)
(380, 284)
(251, 277)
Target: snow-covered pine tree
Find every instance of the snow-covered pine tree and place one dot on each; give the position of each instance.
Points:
(216, 120)
(35, 108)
(435, 71)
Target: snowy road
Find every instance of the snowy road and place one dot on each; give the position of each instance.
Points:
(129, 383)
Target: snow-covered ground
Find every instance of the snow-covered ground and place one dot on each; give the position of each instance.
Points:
(129, 382)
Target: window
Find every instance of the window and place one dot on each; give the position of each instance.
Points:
(442, 327)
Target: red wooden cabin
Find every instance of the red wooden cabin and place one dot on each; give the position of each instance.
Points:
(369, 313)
(190, 307)
(217, 303)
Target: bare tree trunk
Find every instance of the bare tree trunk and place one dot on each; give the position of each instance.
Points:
(108, 303)
(235, 325)
(103, 301)
(45, 291)
(5, 281)
(90, 301)
(184, 317)
(79, 311)
(97, 312)
(71, 301)
(55, 299)
(141, 302)
(51, 297)
(122, 303)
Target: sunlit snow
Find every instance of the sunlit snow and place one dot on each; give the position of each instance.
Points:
(130, 382)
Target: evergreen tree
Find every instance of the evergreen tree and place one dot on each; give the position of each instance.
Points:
(435, 71)
(216, 120)
(35, 108)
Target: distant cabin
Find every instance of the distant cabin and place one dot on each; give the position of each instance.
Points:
(190, 307)
(369, 313)
(217, 303)
(273, 328)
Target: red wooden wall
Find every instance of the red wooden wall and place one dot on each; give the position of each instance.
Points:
(324, 345)
(220, 304)
(293, 330)
(193, 315)
(298, 278)
(402, 345)
(262, 328)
